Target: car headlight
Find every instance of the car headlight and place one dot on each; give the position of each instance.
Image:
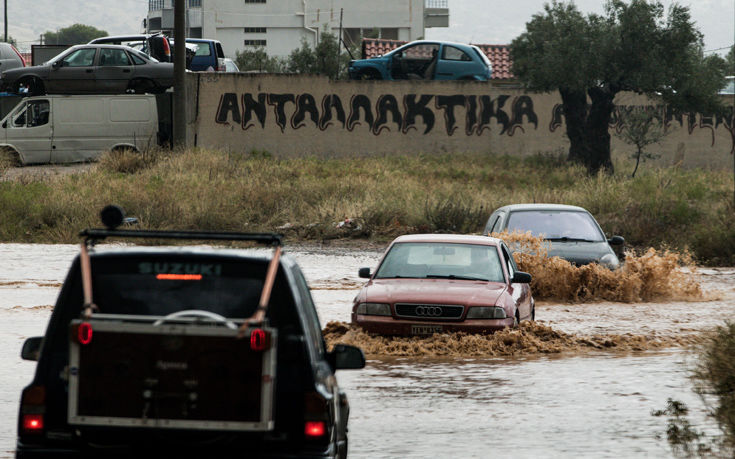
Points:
(610, 261)
(373, 309)
(486, 312)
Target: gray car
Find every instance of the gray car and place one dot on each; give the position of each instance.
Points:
(92, 69)
(573, 233)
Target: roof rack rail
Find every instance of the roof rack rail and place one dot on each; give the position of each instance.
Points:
(113, 216)
(263, 238)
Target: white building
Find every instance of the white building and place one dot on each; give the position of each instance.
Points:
(280, 25)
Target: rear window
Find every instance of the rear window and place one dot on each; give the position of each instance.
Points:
(203, 49)
(166, 284)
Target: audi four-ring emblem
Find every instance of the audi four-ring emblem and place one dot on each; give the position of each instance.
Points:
(428, 311)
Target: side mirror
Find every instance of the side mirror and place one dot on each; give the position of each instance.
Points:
(5, 125)
(56, 64)
(31, 348)
(616, 240)
(364, 273)
(519, 277)
(346, 357)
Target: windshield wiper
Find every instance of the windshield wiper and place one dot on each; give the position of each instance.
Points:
(453, 276)
(568, 239)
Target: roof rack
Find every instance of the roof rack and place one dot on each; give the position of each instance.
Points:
(113, 216)
(263, 238)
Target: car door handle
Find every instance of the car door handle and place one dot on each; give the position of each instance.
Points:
(126, 70)
(89, 70)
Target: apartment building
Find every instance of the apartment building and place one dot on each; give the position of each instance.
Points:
(279, 26)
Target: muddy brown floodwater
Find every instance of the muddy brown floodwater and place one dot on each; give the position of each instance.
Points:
(582, 381)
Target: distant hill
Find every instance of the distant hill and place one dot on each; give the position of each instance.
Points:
(26, 24)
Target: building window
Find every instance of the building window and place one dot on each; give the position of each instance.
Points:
(254, 42)
(195, 3)
(155, 5)
(254, 1)
(254, 30)
(437, 4)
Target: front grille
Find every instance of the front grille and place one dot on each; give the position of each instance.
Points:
(429, 311)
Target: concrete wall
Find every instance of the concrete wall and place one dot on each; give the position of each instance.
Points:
(290, 115)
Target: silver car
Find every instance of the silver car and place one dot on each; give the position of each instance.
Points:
(10, 58)
(573, 233)
(92, 69)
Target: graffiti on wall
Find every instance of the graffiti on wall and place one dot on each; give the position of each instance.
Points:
(471, 113)
(670, 117)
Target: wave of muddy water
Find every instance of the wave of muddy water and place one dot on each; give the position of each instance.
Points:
(585, 400)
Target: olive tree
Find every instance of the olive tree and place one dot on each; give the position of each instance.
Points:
(73, 35)
(589, 59)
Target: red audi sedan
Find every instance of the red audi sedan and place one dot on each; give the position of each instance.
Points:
(436, 283)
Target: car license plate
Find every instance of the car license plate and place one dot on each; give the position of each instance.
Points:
(425, 329)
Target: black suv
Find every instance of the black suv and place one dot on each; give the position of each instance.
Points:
(194, 352)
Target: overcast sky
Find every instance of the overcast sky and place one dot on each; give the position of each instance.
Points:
(476, 21)
(499, 22)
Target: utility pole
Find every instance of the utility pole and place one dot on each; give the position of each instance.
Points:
(339, 42)
(179, 113)
(6, 20)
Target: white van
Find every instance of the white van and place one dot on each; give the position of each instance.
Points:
(63, 129)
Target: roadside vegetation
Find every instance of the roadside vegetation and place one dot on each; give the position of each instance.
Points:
(714, 381)
(375, 199)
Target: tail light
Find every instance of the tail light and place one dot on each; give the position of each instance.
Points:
(315, 429)
(19, 55)
(166, 49)
(316, 417)
(32, 409)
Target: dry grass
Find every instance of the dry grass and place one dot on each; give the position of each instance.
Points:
(383, 196)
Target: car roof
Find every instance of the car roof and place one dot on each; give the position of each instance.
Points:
(522, 207)
(140, 36)
(119, 249)
(450, 238)
(433, 42)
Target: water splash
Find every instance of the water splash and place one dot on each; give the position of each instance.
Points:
(649, 276)
(530, 338)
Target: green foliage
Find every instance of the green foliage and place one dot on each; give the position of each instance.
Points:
(715, 380)
(258, 60)
(73, 35)
(632, 47)
(302, 59)
(730, 61)
(325, 59)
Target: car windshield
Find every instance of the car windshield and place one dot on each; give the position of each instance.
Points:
(556, 224)
(426, 260)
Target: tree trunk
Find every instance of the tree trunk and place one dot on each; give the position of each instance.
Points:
(598, 130)
(575, 114)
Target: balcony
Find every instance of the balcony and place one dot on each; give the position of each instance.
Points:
(436, 13)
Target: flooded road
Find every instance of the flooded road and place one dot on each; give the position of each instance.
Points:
(587, 404)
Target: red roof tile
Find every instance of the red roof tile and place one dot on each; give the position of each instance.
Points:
(499, 55)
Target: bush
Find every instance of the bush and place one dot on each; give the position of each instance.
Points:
(714, 382)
